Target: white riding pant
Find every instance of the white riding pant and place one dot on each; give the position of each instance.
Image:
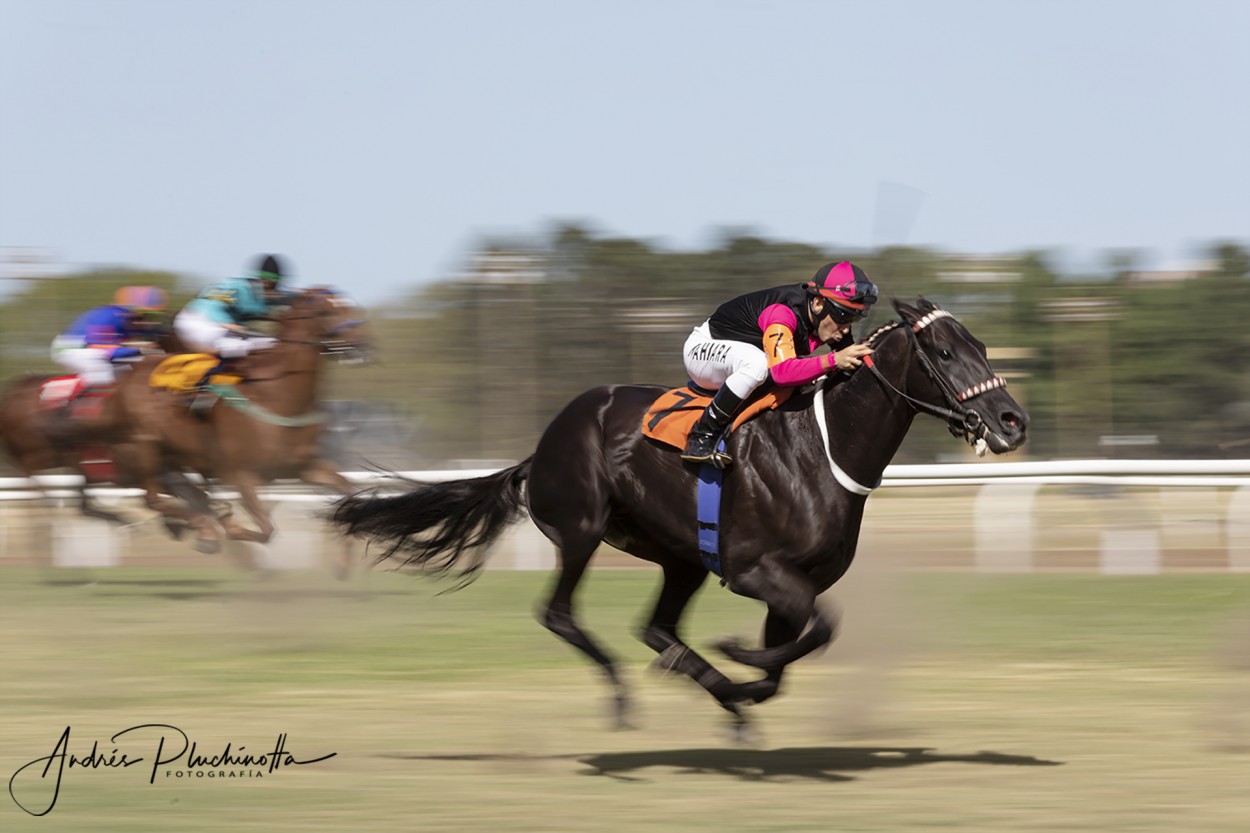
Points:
(207, 336)
(712, 363)
(91, 364)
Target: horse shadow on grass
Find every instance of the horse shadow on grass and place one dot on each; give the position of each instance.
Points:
(820, 763)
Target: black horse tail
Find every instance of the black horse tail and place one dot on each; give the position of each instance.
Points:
(440, 527)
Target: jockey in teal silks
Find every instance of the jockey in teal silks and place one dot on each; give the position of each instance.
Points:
(213, 322)
(771, 334)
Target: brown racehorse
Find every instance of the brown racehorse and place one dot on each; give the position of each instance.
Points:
(24, 440)
(264, 428)
(37, 439)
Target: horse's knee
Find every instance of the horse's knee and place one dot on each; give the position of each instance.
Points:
(824, 628)
(818, 632)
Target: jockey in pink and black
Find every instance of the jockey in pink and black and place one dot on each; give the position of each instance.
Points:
(772, 333)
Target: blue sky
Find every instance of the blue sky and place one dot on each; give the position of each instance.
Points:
(374, 142)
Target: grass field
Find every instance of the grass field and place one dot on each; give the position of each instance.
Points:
(951, 702)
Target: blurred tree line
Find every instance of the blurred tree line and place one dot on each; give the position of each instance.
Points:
(475, 366)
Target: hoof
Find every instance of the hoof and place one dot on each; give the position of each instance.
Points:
(208, 546)
(731, 646)
(742, 732)
(620, 714)
(740, 729)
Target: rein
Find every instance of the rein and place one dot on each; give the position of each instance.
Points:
(329, 345)
(962, 421)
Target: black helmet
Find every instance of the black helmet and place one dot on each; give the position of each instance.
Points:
(270, 269)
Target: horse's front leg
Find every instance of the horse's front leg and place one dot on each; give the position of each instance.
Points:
(681, 580)
(177, 515)
(791, 599)
(247, 484)
(185, 509)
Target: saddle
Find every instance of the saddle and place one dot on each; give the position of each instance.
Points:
(191, 372)
(59, 391)
(69, 400)
(71, 395)
(670, 418)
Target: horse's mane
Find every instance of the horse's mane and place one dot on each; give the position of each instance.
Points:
(834, 379)
(880, 331)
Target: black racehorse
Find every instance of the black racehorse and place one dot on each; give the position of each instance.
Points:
(792, 501)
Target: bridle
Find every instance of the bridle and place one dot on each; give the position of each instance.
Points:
(332, 343)
(962, 421)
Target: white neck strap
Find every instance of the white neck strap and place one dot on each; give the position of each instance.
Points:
(842, 477)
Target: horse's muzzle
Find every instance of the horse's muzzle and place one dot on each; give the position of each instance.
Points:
(1010, 432)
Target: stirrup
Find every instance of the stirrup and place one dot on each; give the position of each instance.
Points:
(715, 457)
(202, 401)
(711, 458)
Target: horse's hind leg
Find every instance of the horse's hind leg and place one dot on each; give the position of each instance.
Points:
(247, 483)
(681, 580)
(559, 619)
(177, 514)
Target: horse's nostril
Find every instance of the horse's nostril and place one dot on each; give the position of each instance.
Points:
(1011, 421)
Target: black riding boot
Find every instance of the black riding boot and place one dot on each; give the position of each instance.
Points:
(714, 423)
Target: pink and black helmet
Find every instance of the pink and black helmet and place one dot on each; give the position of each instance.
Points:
(846, 285)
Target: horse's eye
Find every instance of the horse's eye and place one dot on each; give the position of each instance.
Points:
(944, 354)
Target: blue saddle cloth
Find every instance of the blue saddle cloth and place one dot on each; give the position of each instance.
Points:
(707, 515)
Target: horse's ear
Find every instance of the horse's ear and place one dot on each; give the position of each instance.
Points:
(925, 304)
(908, 313)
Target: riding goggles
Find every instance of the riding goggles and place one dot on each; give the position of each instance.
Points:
(843, 315)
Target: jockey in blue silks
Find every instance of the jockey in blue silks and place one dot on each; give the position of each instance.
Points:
(106, 334)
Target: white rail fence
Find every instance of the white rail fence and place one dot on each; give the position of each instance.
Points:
(1004, 520)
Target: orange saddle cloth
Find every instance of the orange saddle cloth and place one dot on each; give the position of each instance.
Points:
(670, 418)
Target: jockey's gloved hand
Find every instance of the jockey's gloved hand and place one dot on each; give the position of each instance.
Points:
(851, 357)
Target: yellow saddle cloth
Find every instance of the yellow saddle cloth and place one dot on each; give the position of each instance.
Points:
(184, 372)
(670, 418)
